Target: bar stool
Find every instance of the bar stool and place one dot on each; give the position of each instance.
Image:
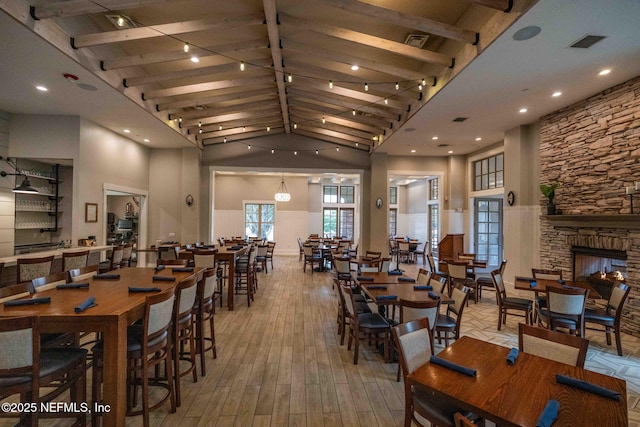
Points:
(31, 268)
(183, 332)
(73, 260)
(205, 308)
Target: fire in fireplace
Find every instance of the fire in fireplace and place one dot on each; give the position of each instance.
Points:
(603, 268)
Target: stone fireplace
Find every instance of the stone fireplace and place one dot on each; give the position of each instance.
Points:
(602, 268)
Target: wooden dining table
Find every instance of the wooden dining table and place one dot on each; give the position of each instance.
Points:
(116, 308)
(524, 284)
(516, 395)
(230, 256)
(403, 291)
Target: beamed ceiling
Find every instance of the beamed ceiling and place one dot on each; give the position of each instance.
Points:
(289, 50)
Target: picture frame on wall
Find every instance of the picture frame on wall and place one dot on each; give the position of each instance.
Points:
(90, 212)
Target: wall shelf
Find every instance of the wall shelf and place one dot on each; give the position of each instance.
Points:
(624, 221)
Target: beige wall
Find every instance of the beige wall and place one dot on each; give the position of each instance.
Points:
(7, 199)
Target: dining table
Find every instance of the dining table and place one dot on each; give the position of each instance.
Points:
(230, 255)
(516, 395)
(541, 285)
(115, 309)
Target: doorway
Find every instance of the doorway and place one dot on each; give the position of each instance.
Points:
(488, 231)
(125, 219)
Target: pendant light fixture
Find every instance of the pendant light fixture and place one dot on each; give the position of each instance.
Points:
(282, 195)
(25, 187)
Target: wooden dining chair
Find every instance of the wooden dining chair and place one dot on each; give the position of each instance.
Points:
(82, 274)
(31, 268)
(422, 253)
(41, 284)
(173, 262)
(312, 256)
(75, 259)
(204, 309)
(12, 292)
(183, 329)
(484, 280)
(540, 300)
(505, 303)
(414, 310)
(343, 312)
(271, 247)
(610, 317)
(447, 324)
(423, 277)
(565, 309)
(127, 255)
(261, 257)
(370, 327)
(458, 277)
(438, 282)
(557, 346)
(113, 263)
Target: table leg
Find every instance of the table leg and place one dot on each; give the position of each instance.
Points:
(231, 285)
(115, 372)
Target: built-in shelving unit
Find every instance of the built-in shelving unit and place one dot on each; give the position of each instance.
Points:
(40, 211)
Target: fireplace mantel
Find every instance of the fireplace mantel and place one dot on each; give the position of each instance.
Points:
(624, 221)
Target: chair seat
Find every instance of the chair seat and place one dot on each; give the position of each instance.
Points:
(444, 321)
(599, 316)
(484, 280)
(134, 340)
(372, 321)
(513, 302)
(51, 360)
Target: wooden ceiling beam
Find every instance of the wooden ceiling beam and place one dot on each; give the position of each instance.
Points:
(245, 92)
(276, 53)
(340, 112)
(333, 137)
(312, 115)
(65, 9)
(255, 122)
(163, 30)
(405, 20)
(244, 115)
(230, 66)
(303, 123)
(502, 5)
(245, 106)
(204, 87)
(241, 137)
(229, 49)
(332, 55)
(368, 40)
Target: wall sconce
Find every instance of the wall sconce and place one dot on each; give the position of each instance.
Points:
(25, 187)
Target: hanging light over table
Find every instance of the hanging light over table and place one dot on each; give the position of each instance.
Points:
(282, 195)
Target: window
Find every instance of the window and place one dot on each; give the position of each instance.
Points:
(346, 194)
(489, 173)
(393, 222)
(393, 195)
(338, 222)
(434, 234)
(330, 194)
(259, 220)
(433, 189)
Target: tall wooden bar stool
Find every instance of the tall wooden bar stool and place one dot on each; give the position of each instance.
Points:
(205, 308)
(183, 332)
(31, 268)
(75, 259)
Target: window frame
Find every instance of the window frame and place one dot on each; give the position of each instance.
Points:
(260, 223)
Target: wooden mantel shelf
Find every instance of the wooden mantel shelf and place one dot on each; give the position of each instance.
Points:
(626, 221)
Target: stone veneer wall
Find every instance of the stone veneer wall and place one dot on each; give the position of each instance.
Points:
(592, 150)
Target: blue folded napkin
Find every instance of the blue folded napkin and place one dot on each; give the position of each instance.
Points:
(433, 295)
(182, 269)
(88, 303)
(106, 277)
(587, 386)
(533, 284)
(376, 287)
(385, 297)
(512, 356)
(134, 289)
(164, 279)
(395, 273)
(423, 288)
(453, 366)
(525, 279)
(406, 279)
(159, 268)
(561, 281)
(72, 286)
(235, 248)
(365, 279)
(32, 301)
(549, 414)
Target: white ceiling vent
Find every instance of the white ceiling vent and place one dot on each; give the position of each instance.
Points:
(416, 40)
(587, 41)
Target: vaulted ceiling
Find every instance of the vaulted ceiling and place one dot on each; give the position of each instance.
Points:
(266, 67)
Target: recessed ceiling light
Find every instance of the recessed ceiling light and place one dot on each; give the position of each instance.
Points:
(523, 110)
(413, 151)
(195, 59)
(556, 94)
(42, 88)
(604, 72)
(478, 139)
(126, 131)
(435, 138)
(355, 67)
(146, 140)
(450, 151)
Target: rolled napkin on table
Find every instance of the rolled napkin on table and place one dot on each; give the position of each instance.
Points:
(377, 287)
(32, 301)
(406, 279)
(561, 281)
(571, 287)
(525, 279)
(182, 269)
(164, 279)
(235, 248)
(395, 273)
(549, 414)
(512, 356)
(587, 386)
(134, 289)
(433, 295)
(72, 286)
(453, 366)
(533, 284)
(159, 268)
(364, 279)
(88, 303)
(385, 297)
(423, 288)
(106, 277)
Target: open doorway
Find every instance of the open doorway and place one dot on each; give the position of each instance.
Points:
(125, 219)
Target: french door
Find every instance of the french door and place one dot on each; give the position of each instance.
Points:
(488, 231)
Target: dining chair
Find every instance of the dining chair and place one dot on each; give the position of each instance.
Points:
(172, 262)
(82, 274)
(506, 303)
(458, 276)
(364, 326)
(432, 266)
(41, 284)
(448, 325)
(204, 309)
(484, 280)
(30, 268)
(342, 270)
(423, 277)
(73, 260)
(438, 282)
(271, 247)
(373, 254)
(540, 301)
(414, 342)
(343, 313)
(565, 309)
(11, 292)
(261, 257)
(245, 274)
(114, 260)
(611, 315)
(205, 258)
(414, 310)
(148, 346)
(168, 252)
(460, 420)
(301, 248)
(312, 256)
(127, 254)
(184, 333)
(553, 345)
(27, 370)
(385, 265)
(422, 252)
(404, 254)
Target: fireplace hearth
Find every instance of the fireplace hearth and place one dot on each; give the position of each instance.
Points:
(602, 268)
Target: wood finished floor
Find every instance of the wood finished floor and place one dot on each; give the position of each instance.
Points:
(280, 363)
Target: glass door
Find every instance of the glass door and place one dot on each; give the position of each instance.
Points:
(488, 231)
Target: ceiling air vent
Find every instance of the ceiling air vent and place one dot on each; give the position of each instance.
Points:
(416, 40)
(443, 145)
(587, 41)
(460, 119)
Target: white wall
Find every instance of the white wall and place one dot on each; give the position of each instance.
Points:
(7, 198)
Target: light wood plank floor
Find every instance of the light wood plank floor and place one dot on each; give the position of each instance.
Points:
(280, 363)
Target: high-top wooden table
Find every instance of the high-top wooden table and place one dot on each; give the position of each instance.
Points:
(516, 395)
(524, 284)
(116, 309)
(230, 255)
